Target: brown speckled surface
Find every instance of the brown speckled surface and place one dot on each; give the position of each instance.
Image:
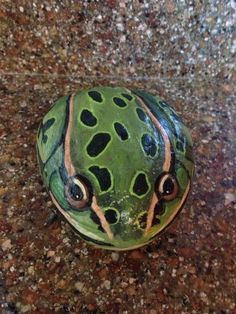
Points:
(186, 54)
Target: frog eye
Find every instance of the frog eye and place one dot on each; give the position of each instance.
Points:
(167, 187)
(77, 192)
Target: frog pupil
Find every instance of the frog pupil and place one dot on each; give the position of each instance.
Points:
(76, 192)
(168, 186)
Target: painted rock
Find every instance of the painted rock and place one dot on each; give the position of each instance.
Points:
(117, 164)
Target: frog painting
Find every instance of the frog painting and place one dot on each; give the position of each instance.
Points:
(117, 164)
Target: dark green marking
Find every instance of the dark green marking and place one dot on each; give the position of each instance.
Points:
(95, 218)
(111, 216)
(62, 138)
(63, 174)
(39, 129)
(156, 110)
(96, 96)
(149, 145)
(97, 221)
(127, 96)
(189, 153)
(119, 102)
(155, 221)
(103, 176)
(140, 185)
(121, 131)
(87, 118)
(45, 127)
(98, 144)
(170, 110)
(141, 114)
(159, 208)
(180, 146)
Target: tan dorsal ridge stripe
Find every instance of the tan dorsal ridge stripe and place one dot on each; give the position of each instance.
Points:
(167, 162)
(67, 157)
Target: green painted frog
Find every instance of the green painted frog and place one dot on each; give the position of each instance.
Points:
(117, 164)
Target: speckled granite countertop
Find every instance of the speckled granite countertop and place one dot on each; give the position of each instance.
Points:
(186, 54)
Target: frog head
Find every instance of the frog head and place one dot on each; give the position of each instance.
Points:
(117, 164)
